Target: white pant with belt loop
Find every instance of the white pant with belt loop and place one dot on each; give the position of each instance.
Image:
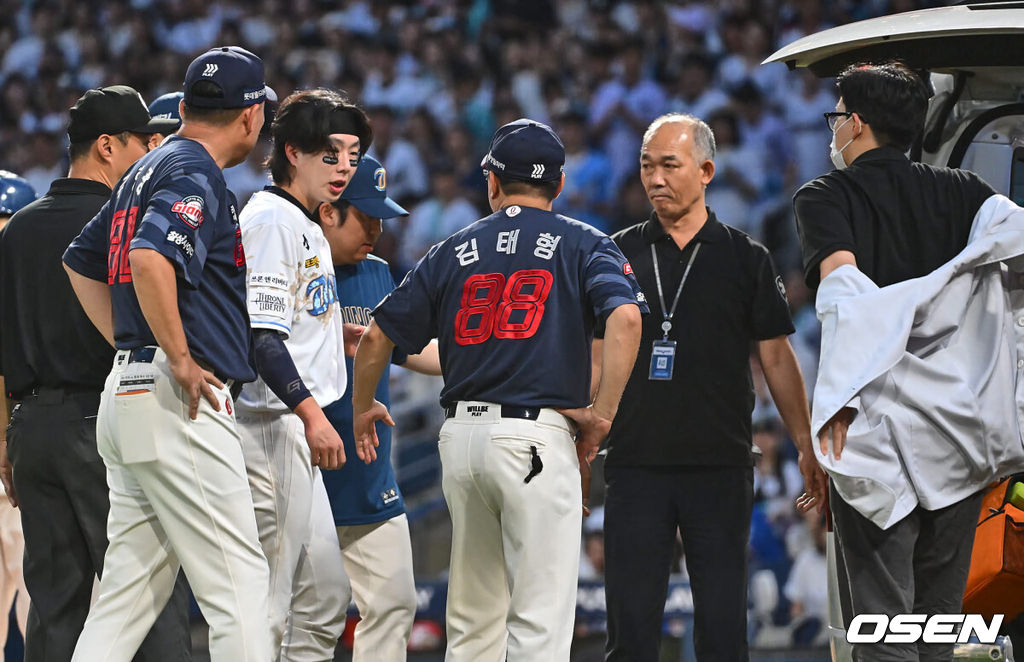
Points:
(178, 496)
(515, 544)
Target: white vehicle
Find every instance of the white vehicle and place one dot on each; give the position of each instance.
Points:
(974, 53)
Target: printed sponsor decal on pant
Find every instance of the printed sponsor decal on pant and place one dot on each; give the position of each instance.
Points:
(934, 629)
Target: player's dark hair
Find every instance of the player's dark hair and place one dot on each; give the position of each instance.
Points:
(342, 206)
(213, 116)
(306, 119)
(547, 190)
(890, 98)
(80, 150)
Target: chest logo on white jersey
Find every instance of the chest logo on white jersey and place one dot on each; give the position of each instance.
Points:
(321, 293)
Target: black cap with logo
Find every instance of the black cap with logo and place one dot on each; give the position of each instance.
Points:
(113, 110)
(527, 151)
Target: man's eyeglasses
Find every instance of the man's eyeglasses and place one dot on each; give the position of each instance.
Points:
(832, 119)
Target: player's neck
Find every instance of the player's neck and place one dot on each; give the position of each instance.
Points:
(686, 226)
(293, 189)
(88, 169)
(222, 147)
(536, 201)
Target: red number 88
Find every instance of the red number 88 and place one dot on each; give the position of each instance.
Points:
(490, 297)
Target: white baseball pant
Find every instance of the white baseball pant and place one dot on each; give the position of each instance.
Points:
(178, 496)
(12, 582)
(378, 560)
(515, 544)
(297, 533)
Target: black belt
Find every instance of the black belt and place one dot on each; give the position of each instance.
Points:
(67, 390)
(146, 355)
(507, 411)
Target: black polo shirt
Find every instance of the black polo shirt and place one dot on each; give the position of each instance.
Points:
(900, 219)
(46, 339)
(731, 297)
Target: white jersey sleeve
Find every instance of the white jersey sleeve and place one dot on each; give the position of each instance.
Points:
(272, 258)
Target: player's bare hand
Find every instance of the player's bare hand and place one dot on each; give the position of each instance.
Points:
(836, 428)
(352, 333)
(815, 483)
(365, 429)
(585, 484)
(325, 446)
(195, 382)
(593, 428)
(7, 471)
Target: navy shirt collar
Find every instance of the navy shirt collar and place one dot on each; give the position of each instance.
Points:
(711, 231)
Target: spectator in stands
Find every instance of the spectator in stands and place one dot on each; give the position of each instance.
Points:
(807, 586)
(739, 175)
(694, 93)
(445, 212)
(586, 195)
(407, 173)
(621, 109)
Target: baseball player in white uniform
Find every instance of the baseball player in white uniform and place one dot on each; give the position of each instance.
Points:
(299, 349)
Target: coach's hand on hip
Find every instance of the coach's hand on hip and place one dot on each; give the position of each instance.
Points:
(195, 383)
(593, 428)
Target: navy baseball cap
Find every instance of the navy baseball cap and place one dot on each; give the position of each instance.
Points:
(525, 150)
(237, 73)
(112, 110)
(15, 193)
(166, 107)
(368, 191)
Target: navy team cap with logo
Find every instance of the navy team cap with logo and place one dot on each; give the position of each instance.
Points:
(368, 191)
(166, 107)
(527, 151)
(237, 74)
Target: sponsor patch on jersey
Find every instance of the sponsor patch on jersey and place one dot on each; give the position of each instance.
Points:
(183, 243)
(626, 269)
(389, 496)
(265, 279)
(313, 262)
(268, 304)
(189, 210)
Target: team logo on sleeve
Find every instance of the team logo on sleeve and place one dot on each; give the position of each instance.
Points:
(781, 287)
(189, 210)
(626, 269)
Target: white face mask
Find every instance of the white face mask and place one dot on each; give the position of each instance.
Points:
(837, 154)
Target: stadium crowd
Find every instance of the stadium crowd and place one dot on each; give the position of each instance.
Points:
(428, 74)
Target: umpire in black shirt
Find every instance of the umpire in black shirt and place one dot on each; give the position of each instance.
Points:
(679, 451)
(54, 362)
(892, 219)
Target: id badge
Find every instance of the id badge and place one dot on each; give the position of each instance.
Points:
(663, 359)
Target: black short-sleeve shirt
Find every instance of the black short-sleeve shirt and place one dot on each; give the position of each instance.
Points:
(731, 297)
(900, 219)
(46, 338)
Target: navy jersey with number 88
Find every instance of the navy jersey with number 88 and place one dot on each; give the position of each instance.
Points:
(513, 300)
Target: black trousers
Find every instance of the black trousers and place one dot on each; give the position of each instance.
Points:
(62, 488)
(917, 566)
(711, 507)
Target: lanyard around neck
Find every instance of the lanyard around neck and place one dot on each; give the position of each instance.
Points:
(668, 314)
